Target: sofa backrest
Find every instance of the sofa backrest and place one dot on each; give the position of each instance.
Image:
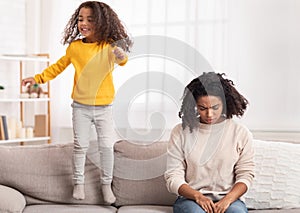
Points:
(139, 174)
(43, 173)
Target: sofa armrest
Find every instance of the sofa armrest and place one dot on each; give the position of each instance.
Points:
(11, 200)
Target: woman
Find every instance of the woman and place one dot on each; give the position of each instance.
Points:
(210, 156)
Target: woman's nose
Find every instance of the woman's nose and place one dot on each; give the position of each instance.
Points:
(209, 112)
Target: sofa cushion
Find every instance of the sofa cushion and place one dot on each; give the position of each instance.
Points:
(139, 174)
(43, 173)
(11, 201)
(146, 209)
(275, 211)
(276, 184)
(69, 208)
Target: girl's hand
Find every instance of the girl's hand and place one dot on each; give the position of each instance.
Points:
(206, 204)
(29, 81)
(119, 53)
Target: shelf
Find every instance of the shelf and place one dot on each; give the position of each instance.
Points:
(25, 58)
(41, 120)
(7, 100)
(18, 140)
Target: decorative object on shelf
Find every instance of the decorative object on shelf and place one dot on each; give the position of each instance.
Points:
(41, 125)
(1, 91)
(34, 91)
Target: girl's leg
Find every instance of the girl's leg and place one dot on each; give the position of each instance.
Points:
(81, 128)
(183, 205)
(106, 140)
(237, 206)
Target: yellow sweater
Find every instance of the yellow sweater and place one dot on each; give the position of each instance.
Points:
(93, 80)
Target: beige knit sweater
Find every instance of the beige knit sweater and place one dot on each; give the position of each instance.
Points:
(211, 159)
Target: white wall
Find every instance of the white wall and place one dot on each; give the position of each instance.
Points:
(12, 37)
(261, 55)
(265, 56)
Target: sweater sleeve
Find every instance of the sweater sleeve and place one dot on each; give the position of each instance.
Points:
(244, 168)
(176, 166)
(52, 71)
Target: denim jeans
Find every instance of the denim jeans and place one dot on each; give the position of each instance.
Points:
(84, 116)
(183, 205)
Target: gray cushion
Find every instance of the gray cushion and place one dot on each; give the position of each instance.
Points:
(276, 211)
(139, 174)
(11, 201)
(43, 173)
(69, 209)
(146, 209)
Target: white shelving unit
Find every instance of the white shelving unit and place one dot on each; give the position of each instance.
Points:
(21, 102)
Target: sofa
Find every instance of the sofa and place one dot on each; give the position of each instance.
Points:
(38, 179)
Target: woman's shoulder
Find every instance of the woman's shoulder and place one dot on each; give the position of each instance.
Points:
(177, 128)
(238, 127)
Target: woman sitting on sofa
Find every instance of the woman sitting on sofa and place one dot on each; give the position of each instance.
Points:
(210, 156)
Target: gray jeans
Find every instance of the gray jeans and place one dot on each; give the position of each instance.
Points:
(84, 116)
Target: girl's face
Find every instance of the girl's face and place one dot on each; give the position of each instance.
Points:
(86, 24)
(210, 109)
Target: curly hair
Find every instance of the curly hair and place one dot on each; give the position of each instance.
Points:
(210, 84)
(108, 27)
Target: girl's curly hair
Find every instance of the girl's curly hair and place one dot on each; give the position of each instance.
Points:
(108, 27)
(212, 84)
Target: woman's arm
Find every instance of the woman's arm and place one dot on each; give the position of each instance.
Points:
(235, 193)
(244, 173)
(205, 203)
(176, 166)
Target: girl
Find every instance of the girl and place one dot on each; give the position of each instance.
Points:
(93, 34)
(210, 156)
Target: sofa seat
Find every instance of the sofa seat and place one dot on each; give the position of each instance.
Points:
(275, 211)
(145, 209)
(67, 208)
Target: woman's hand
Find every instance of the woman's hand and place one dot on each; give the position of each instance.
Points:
(29, 81)
(205, 203)
(222, 205)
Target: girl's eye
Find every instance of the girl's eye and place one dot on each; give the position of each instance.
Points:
(80, 20)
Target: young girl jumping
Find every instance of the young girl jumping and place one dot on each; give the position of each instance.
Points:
(97, 40)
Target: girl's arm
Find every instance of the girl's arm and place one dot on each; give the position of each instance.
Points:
(121, 56)
(29, 81)
(52, 71)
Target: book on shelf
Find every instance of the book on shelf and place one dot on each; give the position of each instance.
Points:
(3, 128)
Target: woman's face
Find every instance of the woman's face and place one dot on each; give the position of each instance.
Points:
(210, 109)
(86, 24)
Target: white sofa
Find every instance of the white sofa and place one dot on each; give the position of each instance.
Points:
(38, 179)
